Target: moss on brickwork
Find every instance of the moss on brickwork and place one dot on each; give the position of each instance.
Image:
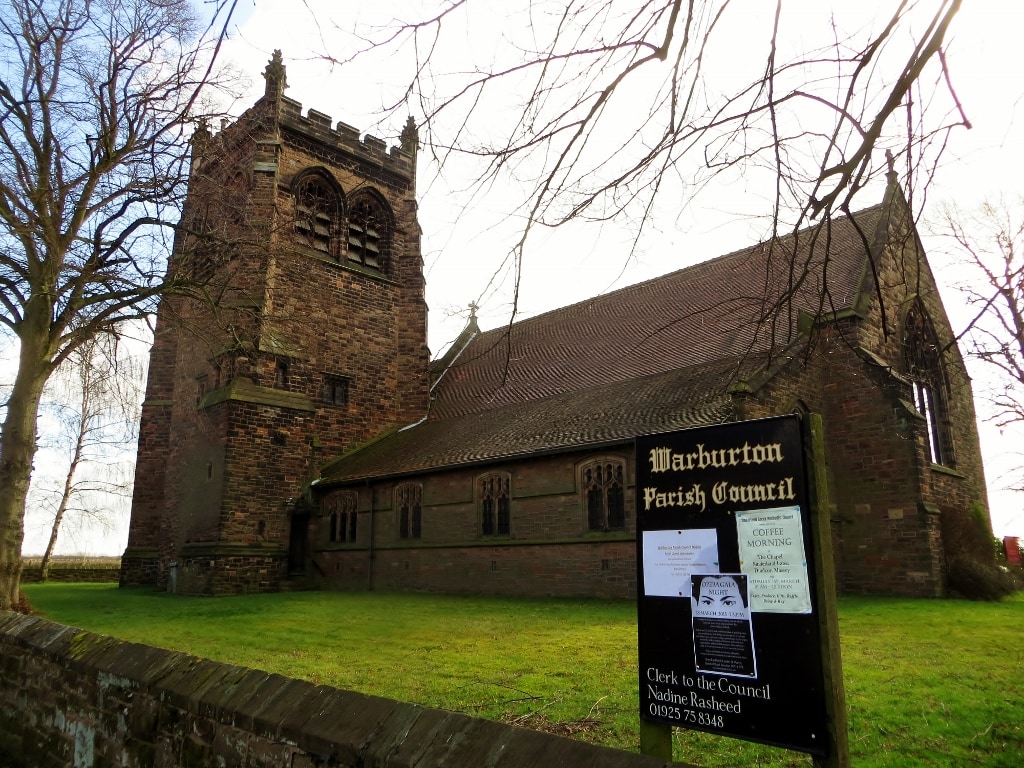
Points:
(84, 642)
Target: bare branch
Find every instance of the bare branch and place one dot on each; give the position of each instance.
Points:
(96, 100)
(989, 246)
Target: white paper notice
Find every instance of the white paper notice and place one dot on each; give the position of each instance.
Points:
(772, 554)
(671, 556)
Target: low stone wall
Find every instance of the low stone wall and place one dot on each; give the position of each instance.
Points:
(73, 569)
(74, 698)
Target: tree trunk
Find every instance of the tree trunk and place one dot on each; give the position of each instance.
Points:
(84, 414)
(17, 450)
(65, 498)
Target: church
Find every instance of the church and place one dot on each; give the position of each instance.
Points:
(296, 433)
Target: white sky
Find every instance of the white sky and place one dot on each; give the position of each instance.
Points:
(980, 163)
(462, 253)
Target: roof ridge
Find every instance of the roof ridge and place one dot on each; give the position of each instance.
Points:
(750, 299)
(507, 327)
(736, 362)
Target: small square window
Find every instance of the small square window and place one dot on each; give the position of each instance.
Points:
(281, 375)
(336, 390)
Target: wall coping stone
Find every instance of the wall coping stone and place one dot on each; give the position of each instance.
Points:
(336, 727)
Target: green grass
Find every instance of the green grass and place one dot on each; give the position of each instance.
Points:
(928, 683)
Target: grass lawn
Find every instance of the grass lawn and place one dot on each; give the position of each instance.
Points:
(928, 682)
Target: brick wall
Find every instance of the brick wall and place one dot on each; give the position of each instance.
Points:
(140, 564)
(549, 550)
(897, 518)
(236, 423)
(604, 569)
(73, 698)
(889, 504)
(886, 539)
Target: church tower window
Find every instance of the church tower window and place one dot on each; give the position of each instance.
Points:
(317, 209)
(335, 390)
(368, 232)
(281, 374)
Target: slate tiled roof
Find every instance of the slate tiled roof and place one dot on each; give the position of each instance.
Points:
(652, 357)
(603, 415)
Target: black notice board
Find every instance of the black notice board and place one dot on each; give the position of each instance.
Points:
(728, 632)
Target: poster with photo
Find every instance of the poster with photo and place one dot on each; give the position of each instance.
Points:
(723, 635)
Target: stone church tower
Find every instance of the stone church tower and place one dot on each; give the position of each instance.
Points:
(305, 337)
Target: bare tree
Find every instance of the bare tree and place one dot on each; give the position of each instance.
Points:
(95, 398)
(96, 97)
(616, 108)
(989, 244)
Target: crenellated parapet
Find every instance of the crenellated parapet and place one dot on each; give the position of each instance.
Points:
(262, 125)
(341, 136)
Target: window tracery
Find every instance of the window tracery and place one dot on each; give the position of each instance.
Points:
(368, 232)
(409, 501)
(922, 355)
(602, 486)
(342, 517)
(494, 503)
(317, 213)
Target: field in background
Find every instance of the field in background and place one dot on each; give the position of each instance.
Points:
(928, 682)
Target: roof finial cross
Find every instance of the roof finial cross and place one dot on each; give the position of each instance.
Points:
(890, 175)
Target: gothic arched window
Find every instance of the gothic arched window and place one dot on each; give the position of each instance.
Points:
(340, 508)
(409, 502)
(494, 503)
(317, 214)
(369, 232)
(922, 355)
(603, 491)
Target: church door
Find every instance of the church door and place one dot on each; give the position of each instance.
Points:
(297, 545)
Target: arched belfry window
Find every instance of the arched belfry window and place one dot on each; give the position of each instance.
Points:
(603, 491)
(369, 231)
(922, 355)
(317, 214)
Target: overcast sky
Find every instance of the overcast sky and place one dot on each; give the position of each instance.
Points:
(463, 252)
(462, 256)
